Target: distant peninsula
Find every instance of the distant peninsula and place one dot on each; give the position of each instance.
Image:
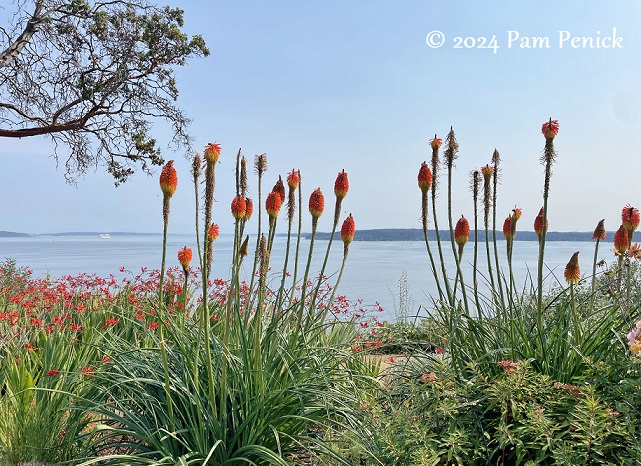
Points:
(416, 234)
(13, 234)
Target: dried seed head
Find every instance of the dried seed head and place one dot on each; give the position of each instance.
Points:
(243, 176)
(279, 189)
(243, 251)
(260, 164)
(196, 166)
(451, 152)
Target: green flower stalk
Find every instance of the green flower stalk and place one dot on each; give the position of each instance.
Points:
(168, 185)
(212, 155)
(293, 180)
(316, 207)
(496, 173)
(487, 171)
(475, 181)
(572, 275)
(260, 167)
(424, 184)
(348, 230)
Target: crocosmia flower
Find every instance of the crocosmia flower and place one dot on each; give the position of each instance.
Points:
(238, 207)
(550, 129)
(572, 272)
(168, 179)
(424, 177)
(341, 186)
(212, 152)
(273, 204)
(316, 203)
(348, 229)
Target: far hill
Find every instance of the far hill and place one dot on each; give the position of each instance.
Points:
(13, 234)
(416, 234)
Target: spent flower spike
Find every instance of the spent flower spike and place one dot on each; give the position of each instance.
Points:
(279, 188)
(599, 231)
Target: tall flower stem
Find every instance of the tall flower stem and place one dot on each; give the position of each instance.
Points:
(293, 180)
(496, 160)
(298, 236)
(475, 197)
(260, 165)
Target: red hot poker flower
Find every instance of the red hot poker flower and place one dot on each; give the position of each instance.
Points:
(599, 231)
(550, 128)
(293, 179)
(212, 152)
(507, 228)
(280, 189)
(249, 208)
(184, 257)
(316, 203)
(273, 204)
(487, 171)
(212, 232)
(168, 179)
(348, 229)
(238, 207)
(572, 272)
(424, 177)
(462, 231)
(630, 219)
(538, 224)
(621, 240)
(341, 186)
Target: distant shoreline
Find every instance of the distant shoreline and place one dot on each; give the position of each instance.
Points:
(381, 234)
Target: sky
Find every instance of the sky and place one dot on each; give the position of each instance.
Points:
(354, 85)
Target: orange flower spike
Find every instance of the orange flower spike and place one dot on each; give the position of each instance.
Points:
(538, 224)
(212, 152)
(621, 240)
(572, 272)
(168, 179)
(249, 208)
(341, 186)
(348, 229)
(599, 231)
(273, 204)
(550, 128)
(279, 189)
(435, 143)
(462, 231)
(487, 171)
(630, 219)
(316, 203)
(238, 207)
(184, 257)
(507, 228)
(213, 231)
(293, 179)
(424, 177)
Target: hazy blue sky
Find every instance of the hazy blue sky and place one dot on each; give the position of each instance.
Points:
(332, 85)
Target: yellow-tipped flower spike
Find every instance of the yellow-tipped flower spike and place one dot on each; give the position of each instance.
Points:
(212, 232)
(348, 229)
(572, 272)
(630, 219)
(550, 129)
(212, 152)
(238, 207)
(249, 208)
(435, 143)
(184, 257)
(168, 179)
(273, 204)
(341, 186)
(293, 179)
(424, 177)
(621, 240)
(462, 232)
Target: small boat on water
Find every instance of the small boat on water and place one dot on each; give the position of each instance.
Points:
(105, 235)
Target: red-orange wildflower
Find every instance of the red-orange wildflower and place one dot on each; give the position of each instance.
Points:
(52, 372)
(435, 142)
(599, 231)
(630, 219)
(87, 371)
(273, 204)
(212, 232)
(572, 272)
(279, 189)
(348, 229)
(168, 179)
(424, 177)
(634, 252)
(184, 257)
(238, 207)
(462, 231)
(538, 224)
(249, 208)
(621, 240)
(507, 228)
(316, 203)
(341, 185)
(212, 152)
(293, 179)
(550, 128)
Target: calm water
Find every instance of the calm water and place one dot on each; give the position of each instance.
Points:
(372, 272)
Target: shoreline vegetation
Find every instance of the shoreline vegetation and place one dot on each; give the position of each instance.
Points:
(375, 234)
